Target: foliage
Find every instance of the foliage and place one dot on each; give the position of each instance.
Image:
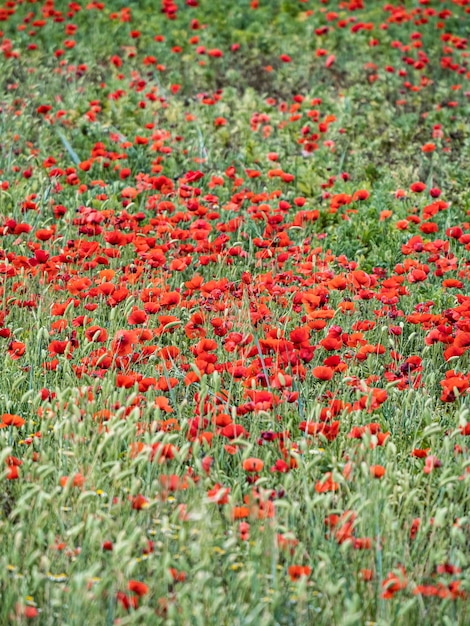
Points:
(233, 268)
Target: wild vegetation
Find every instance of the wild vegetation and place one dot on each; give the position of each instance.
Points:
(234, 267)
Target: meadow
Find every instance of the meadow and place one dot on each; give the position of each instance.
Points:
(234, 322)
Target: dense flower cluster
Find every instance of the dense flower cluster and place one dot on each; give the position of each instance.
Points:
(220, 315)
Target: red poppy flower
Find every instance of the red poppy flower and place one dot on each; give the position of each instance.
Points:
(96, 333)
(420, 453)
(367, 575)
(240, 512)
(361, 194)
(362, 543)
(16, 350)
(280, 466)
(233, 431)
(137, 317)
(177, 576)
(394, 582)
(78, 480)
(417, 187)
(296, 572)
(126, 601)
(414, 528)
(162, 452)
(244, 530)
(7, 419)
(218, 494)
(123, 342)
(137, 587)
(59, 347)
(431, 463)
(139, 502)
(377, 471)
(323, 372)
(253, 464)
(328, 484)
(13, 473)
(30, 612)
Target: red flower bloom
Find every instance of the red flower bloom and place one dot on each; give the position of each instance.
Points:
(233, 431)
(253, 464)
(296, 572)
(420, 454)
(417, 187)
(123, 342)
(328, 484)
(139, 502)
(137, 587)
(323, 372)
(377, 471)
(137, 317)
(394, 582)
(11, 420)
(16, 350)
(431, 463)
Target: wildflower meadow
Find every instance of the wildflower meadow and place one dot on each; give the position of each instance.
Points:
(235, 312)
